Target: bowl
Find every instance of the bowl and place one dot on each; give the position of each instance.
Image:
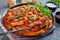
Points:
(52, 6)
(39, 35)
(57, 17)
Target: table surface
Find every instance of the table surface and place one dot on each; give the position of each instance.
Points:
(54, 36)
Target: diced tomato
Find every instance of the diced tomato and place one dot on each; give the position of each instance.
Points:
(15, 20)
(42, 21)
(49, 22)
(36, 28)
(38, 14)
(26, 20)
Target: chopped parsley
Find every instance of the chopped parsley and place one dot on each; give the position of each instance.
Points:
(17, 17)
(43, 10)
(56, 1)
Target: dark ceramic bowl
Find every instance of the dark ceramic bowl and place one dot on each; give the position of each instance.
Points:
(57, 18)
(51, 8)
(39, 35)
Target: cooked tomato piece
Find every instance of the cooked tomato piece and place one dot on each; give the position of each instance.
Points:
(15, 20)
(35, 28)
(29, 13)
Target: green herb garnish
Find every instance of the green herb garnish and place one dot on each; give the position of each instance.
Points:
(56, 1)
(43, 10)
(33, 17)
(17, 17)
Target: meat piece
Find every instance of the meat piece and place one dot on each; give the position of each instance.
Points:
(43, 18)
(36, 28)
(35, 23)
(39, 25)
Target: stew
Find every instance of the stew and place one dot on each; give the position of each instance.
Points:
(27, 16)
